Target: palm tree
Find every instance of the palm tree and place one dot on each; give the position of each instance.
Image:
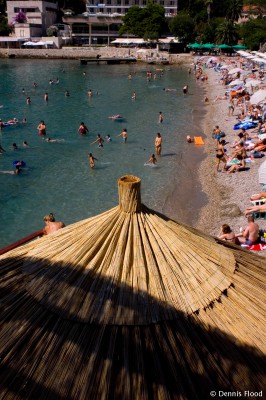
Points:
(226, 33)
(234, 10)
(208, 5)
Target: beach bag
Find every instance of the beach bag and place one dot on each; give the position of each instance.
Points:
(257, 154)
(222, 134)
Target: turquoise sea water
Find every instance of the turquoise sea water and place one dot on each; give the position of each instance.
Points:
(58, 178)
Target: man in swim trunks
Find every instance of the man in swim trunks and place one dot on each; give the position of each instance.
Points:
(50, 224)
(250, 235)
(158, 144)
(124, 135)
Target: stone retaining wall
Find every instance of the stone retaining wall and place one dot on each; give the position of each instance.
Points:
(92, 52)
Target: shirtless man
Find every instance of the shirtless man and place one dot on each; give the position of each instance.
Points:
(250, 235)
(50, 224)
(158, 144)
(124, 135)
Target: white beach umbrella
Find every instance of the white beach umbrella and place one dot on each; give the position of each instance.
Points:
(258, 96)
(262, 173)
(235, 71)
(236, 82)
(253, 82)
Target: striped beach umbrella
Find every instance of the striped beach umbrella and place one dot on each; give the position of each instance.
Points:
(130, 304)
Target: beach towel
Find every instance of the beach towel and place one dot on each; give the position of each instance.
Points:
(257, 247)
(198, 140)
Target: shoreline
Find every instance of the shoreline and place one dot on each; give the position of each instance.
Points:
(228, 195)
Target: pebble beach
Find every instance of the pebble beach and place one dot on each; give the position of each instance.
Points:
(228, 194)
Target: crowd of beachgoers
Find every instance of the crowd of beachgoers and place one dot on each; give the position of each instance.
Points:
(235, 95)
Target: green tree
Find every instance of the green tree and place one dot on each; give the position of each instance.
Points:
(148, 22)
(234, 10)
(254, 33)
(208, 4)
(227, 33)
(5, 29)
(182, 25)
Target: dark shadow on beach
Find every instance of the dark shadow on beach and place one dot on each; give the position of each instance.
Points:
(63, 337)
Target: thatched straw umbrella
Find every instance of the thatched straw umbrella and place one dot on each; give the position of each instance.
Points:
(130, 305)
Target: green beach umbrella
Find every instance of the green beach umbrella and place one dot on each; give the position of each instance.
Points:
(224, 46)
(239, 47)
(195, 46)
(208, 46)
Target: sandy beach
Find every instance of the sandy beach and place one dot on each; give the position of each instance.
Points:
(228, 194)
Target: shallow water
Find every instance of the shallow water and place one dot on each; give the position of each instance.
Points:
(58, 178)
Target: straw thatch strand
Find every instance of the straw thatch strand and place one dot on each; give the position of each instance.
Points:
(130, 305)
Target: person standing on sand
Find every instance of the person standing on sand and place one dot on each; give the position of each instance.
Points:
(92, 159)
(158, 144)
(50, 224)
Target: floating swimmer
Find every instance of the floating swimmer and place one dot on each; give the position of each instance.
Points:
(118, 116)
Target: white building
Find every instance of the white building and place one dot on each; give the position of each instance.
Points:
(101, 23)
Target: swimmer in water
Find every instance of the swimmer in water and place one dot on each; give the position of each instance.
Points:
(158, 144)
(42, 128)
(185, 89)
(46, 97)
(25, 144)
(151, 160)
(99, 140)
(124, 135)
(92, 159)
(108, 138)
(160, 117)
(49, 140)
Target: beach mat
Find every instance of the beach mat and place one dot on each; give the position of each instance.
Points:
(257, 247)
(198, 140)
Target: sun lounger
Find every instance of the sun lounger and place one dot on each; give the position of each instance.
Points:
(259, 202)
(259, 215)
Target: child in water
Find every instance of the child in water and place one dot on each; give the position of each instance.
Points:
(92, 159)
